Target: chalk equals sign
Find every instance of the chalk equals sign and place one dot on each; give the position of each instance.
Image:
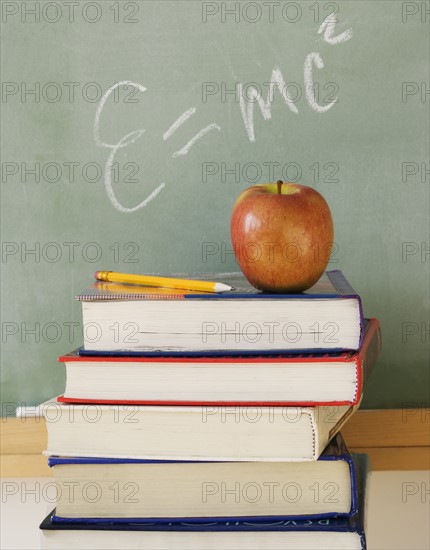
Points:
(178, 123)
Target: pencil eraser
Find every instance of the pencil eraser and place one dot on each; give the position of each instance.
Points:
(96, 274)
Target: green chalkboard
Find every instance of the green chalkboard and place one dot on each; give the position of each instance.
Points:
(130, 127)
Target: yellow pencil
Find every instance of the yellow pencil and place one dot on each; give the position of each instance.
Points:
(166, 282)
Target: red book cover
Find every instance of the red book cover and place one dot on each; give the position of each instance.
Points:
(364, 360)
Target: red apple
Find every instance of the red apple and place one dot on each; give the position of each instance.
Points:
(282, 235)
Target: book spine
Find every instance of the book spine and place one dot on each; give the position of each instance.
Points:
(195, 520)
(342, 525)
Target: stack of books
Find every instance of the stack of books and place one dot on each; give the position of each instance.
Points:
(194, 421)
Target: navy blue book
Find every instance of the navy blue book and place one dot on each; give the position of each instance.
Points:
(303, 534)
(132, 319)
(169, 491)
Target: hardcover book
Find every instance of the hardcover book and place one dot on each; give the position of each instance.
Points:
(205, 433)
(307, 379)
(145, 320)
(168, 491)
(304, 534)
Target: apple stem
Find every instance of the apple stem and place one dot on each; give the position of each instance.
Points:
(279, 184)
